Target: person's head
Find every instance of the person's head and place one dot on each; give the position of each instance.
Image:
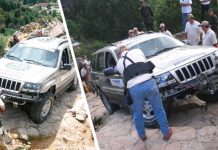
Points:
(15, 37)
(191, 18)
(121, 48)
(205, 26)
(84, 65)
(210, 12)
(142, 3)
(162, 27)
(130, 33)
(135, 31)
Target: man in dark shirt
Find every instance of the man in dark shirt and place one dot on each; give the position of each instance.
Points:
(213, 21)
(14, 41)
(147, 15)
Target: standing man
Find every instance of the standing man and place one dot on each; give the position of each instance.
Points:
(141, 86)
(147, 15)
(213, 21)
(193, 31)
(164, 30)
(209, 37)
(130, 33)
(205, 5)
(14, 41)
(186, 9)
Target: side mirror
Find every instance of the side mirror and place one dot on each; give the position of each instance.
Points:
(66, 67)
(110, 71)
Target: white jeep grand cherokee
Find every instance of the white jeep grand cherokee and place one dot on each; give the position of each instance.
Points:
(34, 72)
(180, 70)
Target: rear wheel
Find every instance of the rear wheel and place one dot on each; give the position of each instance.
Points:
(40, 111)
(111, 107)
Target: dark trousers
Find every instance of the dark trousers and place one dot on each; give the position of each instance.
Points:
(204, 9)
(149, 26)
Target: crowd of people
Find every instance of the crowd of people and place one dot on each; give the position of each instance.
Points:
(204, 33)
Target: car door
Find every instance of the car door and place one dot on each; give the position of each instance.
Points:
(113, 86)
(64, 76)
(97, 75)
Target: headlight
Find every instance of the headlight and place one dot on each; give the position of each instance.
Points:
(31, 86)
(216, 56)
(165, 79)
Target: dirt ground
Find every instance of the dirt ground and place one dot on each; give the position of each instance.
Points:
(194, 129)
(61, 131)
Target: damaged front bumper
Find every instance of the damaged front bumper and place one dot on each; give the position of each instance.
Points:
(20, 98)
(202, 84)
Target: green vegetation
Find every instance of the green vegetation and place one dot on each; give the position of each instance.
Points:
(110, 20)
(17, 13)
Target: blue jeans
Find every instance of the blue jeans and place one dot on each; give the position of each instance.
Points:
(184, 20)
(147, 90)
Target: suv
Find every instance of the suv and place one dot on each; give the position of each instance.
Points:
(180, 71)
(35, 72)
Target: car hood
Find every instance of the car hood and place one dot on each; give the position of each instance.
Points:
(178, 57)
(23, 71)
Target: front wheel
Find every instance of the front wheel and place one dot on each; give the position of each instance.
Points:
(149, 116)
(74, 85)
(40, 111)
(111, 107)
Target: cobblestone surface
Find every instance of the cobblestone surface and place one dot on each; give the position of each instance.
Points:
(194, 129)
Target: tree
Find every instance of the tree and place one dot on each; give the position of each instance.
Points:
(2, 19)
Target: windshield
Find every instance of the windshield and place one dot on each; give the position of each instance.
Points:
(37, 56)
(157, 45)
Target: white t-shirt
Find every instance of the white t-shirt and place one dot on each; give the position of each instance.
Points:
(84, 72)
(205, 2)
(209, 38)
(193, 32)
(186, 9)
(167, 33)
(135, 55)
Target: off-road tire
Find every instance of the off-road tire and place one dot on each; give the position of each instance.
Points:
(74, 85)
(37, 109)
(150, 121)
(208, 98)
(111, 107)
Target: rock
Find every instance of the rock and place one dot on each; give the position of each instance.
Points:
(81, 118)
(208, 133)
(33, 132)
(184, 133)
(72, 138)
(22, 134)
(194, 145)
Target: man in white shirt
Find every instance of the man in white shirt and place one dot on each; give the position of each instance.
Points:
(186, 9)
(209, 37)
(193, 31)
(141, 87)
(164, 30)
(205, 5)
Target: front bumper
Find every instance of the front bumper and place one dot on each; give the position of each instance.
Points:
(20, 98)
(207, 84)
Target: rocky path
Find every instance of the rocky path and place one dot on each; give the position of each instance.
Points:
(66, 128)
(194, 129)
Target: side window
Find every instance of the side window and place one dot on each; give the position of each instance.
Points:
(109, 60)
(65, 57)
(70, 56)
(100, 62)
(93, 63)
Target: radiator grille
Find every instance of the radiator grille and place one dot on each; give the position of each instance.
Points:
(194, 69)
(9, 84)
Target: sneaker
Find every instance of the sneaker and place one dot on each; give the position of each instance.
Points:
(168, 135)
